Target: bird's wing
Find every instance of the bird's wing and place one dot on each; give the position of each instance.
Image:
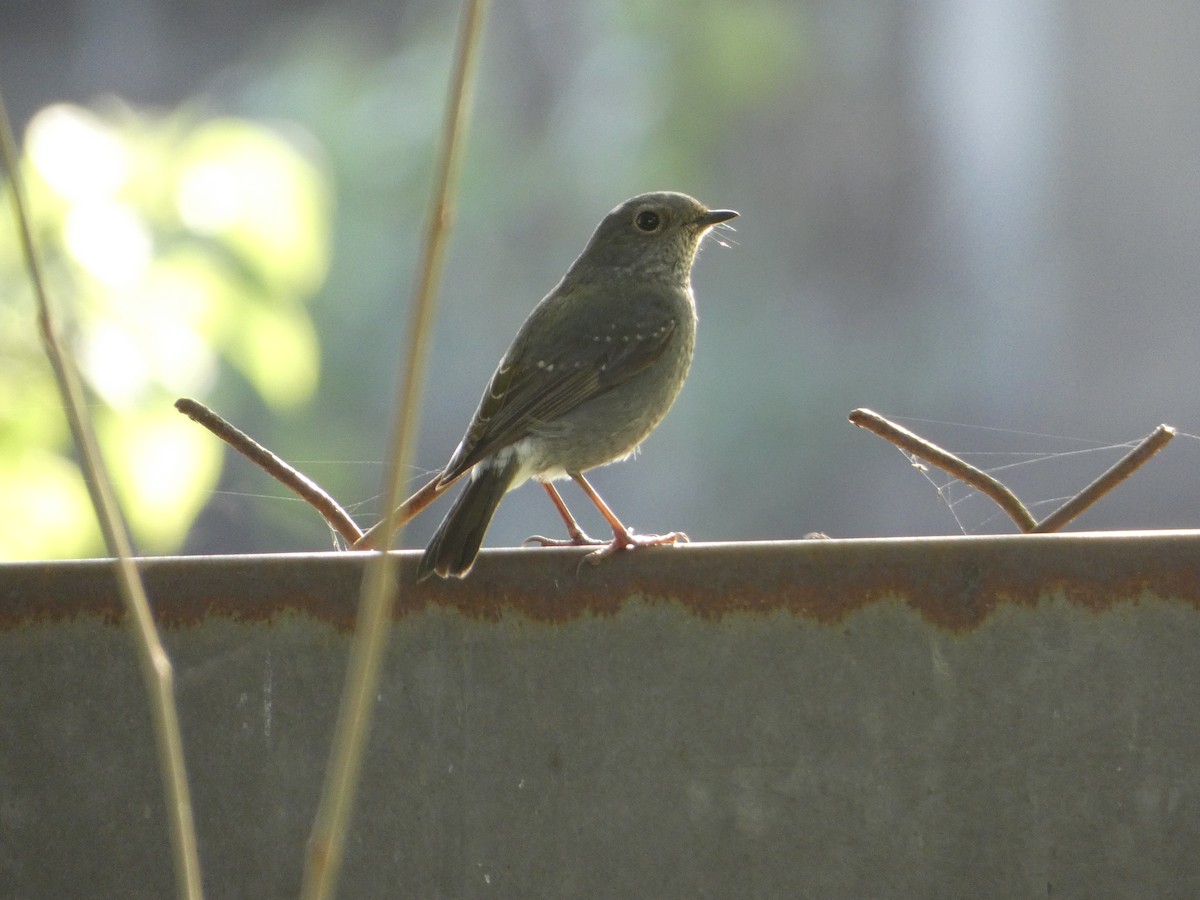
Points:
(535, 385)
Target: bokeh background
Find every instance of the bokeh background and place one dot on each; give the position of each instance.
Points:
(977, 212)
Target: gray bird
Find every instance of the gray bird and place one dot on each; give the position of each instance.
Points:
(590, 374)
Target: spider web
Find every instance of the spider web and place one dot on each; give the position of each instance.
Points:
(1044, 470)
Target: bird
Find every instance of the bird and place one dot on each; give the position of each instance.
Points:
(591, 372)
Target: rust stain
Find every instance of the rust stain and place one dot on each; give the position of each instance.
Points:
(952, 583)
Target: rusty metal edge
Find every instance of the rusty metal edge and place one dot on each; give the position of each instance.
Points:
(954, 583)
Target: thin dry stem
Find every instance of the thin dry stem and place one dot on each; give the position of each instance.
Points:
(948, 463)
(405, 512)
(1122, 469)
(380, 586)
(291, 478)
(154, 662)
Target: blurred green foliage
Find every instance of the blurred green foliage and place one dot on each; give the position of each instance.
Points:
(227, 263)
(171, 243)
(918, 223)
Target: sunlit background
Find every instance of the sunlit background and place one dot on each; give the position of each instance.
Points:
(979, 213)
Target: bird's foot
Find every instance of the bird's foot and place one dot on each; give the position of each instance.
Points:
(627, 540)
(577, 539)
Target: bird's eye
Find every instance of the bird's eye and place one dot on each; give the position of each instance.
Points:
(647, 220)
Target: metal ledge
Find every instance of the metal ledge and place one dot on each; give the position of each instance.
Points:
(952, 582)
(1000, 716)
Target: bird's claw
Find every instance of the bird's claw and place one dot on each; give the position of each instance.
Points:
(575, 540)
(626, 541)
(630, 541)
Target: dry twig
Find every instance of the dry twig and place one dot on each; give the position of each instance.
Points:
(404, 513)
(1124, 467)
(947, 462)
(156, 669)
(291, 478)
(1006, 499)
(307, 489)
(380, 585)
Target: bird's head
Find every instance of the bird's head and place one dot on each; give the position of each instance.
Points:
(651, 236)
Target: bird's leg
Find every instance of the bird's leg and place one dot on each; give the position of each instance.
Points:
(578, 538)
(623, 538)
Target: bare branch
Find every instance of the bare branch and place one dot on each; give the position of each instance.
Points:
(948, 463)
(404, 513)
(1124, 467)
(294, 480)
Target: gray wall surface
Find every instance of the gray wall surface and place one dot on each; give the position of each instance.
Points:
(1004, 717)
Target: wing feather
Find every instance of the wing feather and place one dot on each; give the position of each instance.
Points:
(535, 385)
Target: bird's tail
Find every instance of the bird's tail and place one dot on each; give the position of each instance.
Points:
(456, 543)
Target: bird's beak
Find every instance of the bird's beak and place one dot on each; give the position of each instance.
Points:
(716, 217)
